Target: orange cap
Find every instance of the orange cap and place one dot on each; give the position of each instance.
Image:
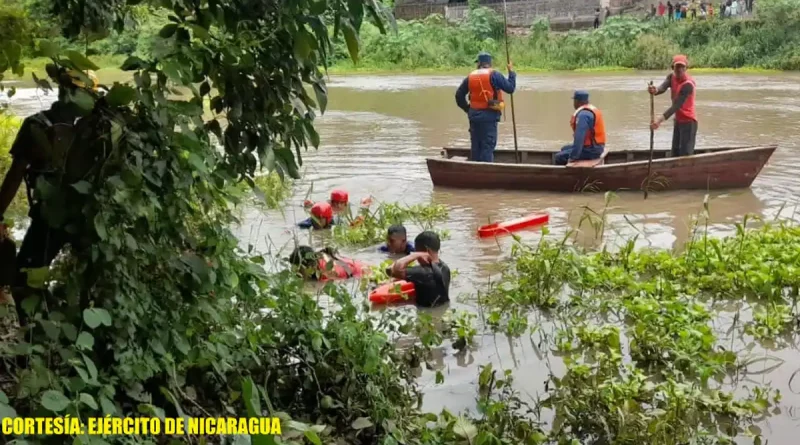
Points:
(680, 59)
(339, 196)
(322, 210)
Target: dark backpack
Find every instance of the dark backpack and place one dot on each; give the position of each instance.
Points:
(64, 159)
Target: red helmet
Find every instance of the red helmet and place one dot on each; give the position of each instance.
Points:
(340, 196)
(322, 210)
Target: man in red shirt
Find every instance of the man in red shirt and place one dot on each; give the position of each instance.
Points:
(682, 88)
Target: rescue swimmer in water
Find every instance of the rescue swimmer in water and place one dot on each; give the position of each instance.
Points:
(325, 264)
(682, 88)
(588, 132)
(321, 217)
(397, 241)
(485, 87)
(326, 214)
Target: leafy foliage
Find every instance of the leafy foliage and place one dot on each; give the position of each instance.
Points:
(370, 225)
(9, 126)
(634, 328)
(621, 42)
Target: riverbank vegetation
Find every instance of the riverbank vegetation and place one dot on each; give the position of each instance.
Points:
(9, 125)
(768, 41)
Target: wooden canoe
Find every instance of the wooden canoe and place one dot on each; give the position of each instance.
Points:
(707, 169)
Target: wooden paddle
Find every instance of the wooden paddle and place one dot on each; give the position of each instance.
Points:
(652, 134)
(508, 60)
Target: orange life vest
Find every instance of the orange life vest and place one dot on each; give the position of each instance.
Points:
(686, 112)
(597, 135)
(343, 268)
(481, 91)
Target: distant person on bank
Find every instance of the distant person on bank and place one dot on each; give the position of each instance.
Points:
(485, 88)
(588, 130)
(682, 89)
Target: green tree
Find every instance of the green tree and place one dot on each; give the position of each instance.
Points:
(155, 308)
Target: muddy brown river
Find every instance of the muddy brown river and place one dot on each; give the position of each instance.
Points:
(379, 130)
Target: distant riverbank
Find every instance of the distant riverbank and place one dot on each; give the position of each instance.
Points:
(109, 71)
(433, 46)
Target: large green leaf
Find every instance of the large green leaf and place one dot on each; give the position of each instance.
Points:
(252, 404)
(321, 92)
(361, 423)
(6, 411)
(120, 95)
(94, 317)
(54, 401)
(303, 44)
(465, 429)
(356, 8)
(88, 400)
(168, 31)
(80, 61)
(351, 38)
(85, 340)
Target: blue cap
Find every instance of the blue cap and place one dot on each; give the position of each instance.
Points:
(484, 57)
(581, 95)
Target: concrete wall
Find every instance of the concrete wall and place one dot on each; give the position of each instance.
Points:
(416, 11)
(521, 13)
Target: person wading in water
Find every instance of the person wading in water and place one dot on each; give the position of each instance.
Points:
(485, 87)
(682, 88)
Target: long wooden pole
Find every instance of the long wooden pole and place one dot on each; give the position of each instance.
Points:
(508, 61)
(652, 134)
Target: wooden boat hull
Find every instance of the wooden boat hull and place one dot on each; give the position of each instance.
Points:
(718, 168)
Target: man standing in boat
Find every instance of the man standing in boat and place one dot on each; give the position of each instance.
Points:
(485, 87)
(682, 88)
(588, 132)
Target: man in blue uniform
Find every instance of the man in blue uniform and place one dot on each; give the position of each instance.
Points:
(485, 88)
(588, 132)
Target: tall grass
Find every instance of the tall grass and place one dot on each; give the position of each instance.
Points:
(771, 41)
(9, 125)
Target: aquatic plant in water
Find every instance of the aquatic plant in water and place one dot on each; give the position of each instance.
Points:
(633, 327)
(369, 226)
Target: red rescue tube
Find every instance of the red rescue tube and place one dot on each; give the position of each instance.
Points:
(396, 291)
(502, 228)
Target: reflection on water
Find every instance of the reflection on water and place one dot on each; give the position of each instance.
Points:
(381, 128)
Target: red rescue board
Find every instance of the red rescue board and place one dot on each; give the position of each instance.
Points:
(505, 227)
(396, 291)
